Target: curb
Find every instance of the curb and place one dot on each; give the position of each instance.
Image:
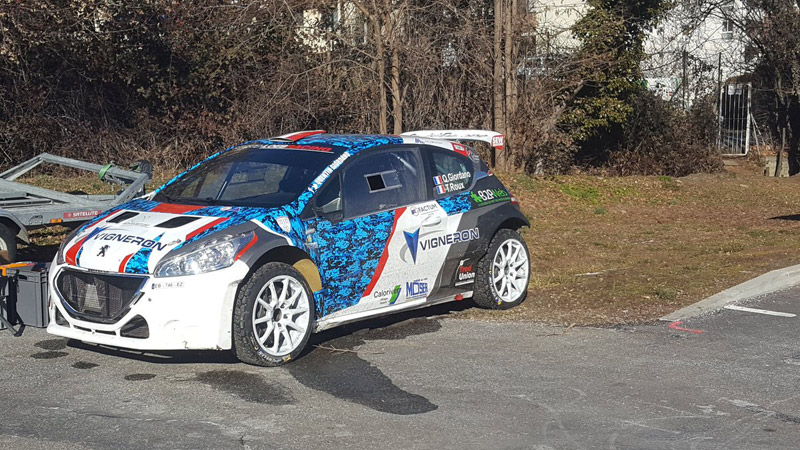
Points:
(776, 280)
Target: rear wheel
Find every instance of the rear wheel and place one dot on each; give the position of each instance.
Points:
(272, 316)
(502, 275)
(8, 245)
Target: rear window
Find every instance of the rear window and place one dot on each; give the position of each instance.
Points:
(452, 173)
(257, 177)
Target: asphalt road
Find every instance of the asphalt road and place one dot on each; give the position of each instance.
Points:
(418, 382)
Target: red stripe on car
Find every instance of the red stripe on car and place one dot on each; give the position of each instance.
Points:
(385, 255)
(205, 227)
(72, 253)
(175, 209)
(124, 263)
(302, 134)
(246, 247)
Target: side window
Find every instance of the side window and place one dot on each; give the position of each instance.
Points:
(452, 173)
(382, 182)
(329, 199)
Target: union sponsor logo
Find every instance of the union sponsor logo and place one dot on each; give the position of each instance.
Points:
(465, 273)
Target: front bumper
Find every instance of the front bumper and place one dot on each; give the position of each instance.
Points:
(192, 312)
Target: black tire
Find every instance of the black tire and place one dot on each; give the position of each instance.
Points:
(245, 342)
(485, 294)
(8, 245)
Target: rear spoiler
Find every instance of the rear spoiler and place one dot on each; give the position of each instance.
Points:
(492, 138)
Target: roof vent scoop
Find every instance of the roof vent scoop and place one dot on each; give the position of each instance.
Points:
(176, 222)
(122, 217)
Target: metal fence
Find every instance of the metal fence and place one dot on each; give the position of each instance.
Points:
(734, 119)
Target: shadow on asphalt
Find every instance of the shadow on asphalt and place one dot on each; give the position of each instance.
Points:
(346, 337)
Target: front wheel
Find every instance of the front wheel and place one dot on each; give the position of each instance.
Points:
(272, 316)
(502, 275)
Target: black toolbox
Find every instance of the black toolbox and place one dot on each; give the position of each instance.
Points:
(23, 294)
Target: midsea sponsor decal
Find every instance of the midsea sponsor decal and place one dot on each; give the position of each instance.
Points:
(486, 197)
(417, 288)
(465, 273)
(130, 239)
(414, 243)
(451, 182)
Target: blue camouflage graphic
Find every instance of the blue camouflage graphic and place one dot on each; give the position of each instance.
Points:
(347, 255)
(456, 204)
(138, 262)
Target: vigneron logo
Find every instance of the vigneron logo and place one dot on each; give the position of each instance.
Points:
(130, 239)
(414, 243)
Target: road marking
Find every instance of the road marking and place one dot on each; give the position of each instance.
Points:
(675, 326)
(759, 311)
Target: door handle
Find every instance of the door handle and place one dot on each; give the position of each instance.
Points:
(431, 221)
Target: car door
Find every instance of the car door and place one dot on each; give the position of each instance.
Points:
(452, 176)
(367, 229)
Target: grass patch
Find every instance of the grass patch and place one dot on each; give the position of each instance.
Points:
(584, 194)
(669, 243)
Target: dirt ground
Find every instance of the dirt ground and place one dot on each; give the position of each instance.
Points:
(620, 250)
(624, 250)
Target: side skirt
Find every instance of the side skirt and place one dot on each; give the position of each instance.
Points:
(325, 324)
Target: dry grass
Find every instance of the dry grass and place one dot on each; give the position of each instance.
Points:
(621, 250)
(626, 250)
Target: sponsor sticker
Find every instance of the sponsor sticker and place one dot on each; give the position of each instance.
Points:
(498, 141)
(414, 243)
(417, 288)
(284, 223)
(423, 209)
(130, 239)
(486, 197)
(451, 182)
(460, 149)
(81, 214)
(389, 296)
(464, 274)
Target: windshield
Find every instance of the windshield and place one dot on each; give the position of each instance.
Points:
(259, 177)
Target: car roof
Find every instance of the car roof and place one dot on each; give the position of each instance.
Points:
(337, 144)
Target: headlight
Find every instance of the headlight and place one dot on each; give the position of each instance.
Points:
(60, 255)
(217, 254)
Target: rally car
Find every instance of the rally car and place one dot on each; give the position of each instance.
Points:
(260, 245)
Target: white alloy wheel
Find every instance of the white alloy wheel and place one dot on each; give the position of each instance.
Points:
(281, 315)
(510, 271)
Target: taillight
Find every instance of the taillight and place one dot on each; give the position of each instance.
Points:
(514, 200)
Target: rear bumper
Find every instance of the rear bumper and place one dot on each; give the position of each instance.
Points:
(193, 312)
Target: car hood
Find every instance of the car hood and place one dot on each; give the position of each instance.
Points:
(135, 237)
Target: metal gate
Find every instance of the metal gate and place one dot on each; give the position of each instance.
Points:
(734, 121)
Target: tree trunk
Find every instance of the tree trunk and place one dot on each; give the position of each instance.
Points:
(793, 152)
(497, 85)
(510, 79)
(381, 69)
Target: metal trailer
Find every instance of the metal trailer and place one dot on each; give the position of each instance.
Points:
(24, 207)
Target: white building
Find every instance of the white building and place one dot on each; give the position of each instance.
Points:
(697, 45)
(554, 21)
